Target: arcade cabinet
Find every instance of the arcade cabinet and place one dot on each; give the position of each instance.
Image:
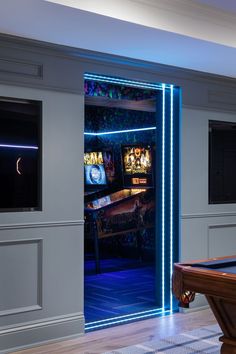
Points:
(128, 210)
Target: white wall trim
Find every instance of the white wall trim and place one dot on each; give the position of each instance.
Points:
(38, 305)
(20, 310)
(207, 215)
(42, 224)
(39, 324)
(21, 68)
(218, 226)
(226, 109)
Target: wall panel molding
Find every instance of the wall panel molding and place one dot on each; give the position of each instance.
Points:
(223, 225)
(36, 64)
(222, 97)
(30, 334)
(221, 239)
(38, 270)
(42, 323)
(226, 109)
(19, 310)
(41, 224)
(208, 215)
(21, 68)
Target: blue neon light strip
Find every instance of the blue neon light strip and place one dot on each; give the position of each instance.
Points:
(113, 80)
(19, 146)
(163, 197)
(170, 168)
(140, 313)
(98, 324)
(120, 131)
(171, 192)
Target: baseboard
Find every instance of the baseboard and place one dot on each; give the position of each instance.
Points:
(44, 332)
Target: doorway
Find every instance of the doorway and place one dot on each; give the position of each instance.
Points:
(130, 240)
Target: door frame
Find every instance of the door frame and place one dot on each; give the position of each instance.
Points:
(167, 194)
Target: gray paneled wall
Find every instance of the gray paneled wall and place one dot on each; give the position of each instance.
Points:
(41, 286)
(207, 230)
(20, 259)
(41, 253)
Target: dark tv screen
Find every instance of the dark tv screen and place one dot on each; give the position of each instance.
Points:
(20, 162)
(222, 162)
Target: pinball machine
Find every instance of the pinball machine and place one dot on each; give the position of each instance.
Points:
(122, 211)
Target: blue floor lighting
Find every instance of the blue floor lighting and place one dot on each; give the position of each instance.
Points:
(126, 319)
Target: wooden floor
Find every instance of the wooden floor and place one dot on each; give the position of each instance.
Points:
(120, 336)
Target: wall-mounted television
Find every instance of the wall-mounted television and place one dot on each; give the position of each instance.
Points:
(95, 174)
(222, 158)
(137, 165)
(20, 154)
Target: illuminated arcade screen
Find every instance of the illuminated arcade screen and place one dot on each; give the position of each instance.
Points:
(137, 166)
(94, 169)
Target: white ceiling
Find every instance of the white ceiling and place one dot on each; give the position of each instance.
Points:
(225, 5)
(193, 34)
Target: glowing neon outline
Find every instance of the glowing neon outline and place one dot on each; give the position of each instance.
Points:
(100, 325)
(171, 192)
(120, 131)
(19, 146)
(162, 87)
(163, 197)
(129, 315)
(127, 82)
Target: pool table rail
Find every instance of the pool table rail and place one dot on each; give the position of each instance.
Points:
(204, 281)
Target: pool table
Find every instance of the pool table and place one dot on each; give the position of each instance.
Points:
(216, 279)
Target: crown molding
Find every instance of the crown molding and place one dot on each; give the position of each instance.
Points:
(185, 17)
(193, 9)
(79, 55)
(156, 13)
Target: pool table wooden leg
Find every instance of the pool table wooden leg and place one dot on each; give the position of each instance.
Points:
(227, 348)
(225, 313)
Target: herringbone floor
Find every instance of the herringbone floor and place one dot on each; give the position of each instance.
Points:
(120, 292)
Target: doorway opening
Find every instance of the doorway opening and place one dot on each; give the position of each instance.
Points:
(130, 200)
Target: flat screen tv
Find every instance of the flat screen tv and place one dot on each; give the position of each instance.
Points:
(222, 158)
(137, 166)
(20, 154)
(95, 174)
